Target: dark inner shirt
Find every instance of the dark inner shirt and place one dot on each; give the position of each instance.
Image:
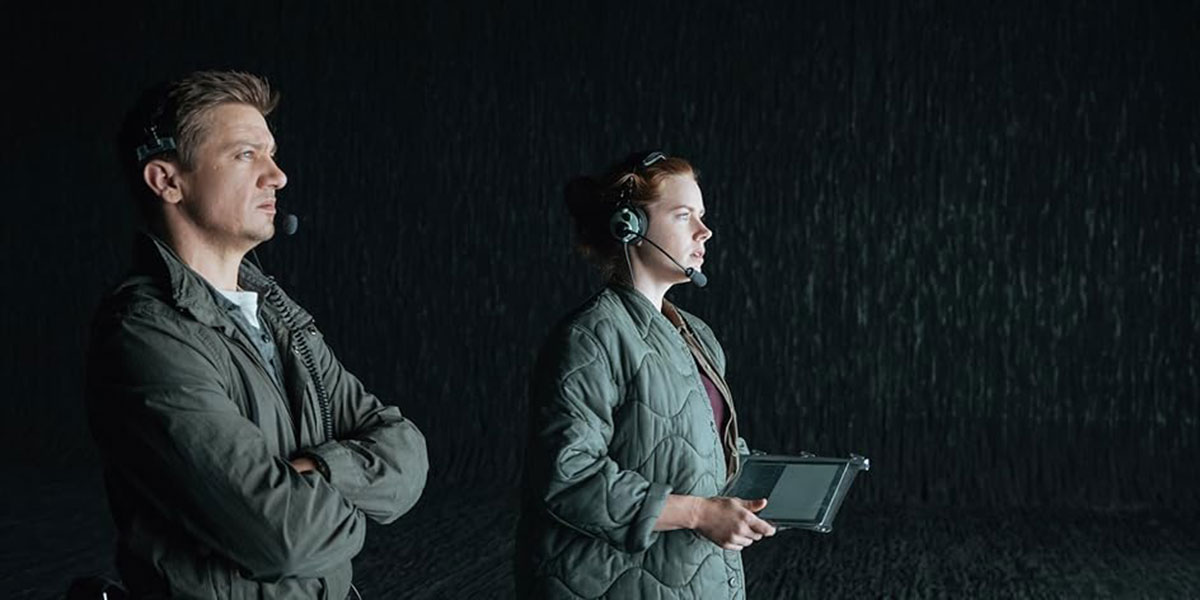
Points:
(717, 402)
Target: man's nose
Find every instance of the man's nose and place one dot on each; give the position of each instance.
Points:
(274, 177)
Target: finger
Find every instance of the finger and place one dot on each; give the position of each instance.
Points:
(751, 534)
(755, 505)
(762, 527)
(731, 546)
(741, 540)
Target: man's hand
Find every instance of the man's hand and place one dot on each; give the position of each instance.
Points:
(303, 464)
(730, 522)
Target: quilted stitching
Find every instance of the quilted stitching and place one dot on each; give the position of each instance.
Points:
(635, 570)
(657, 432)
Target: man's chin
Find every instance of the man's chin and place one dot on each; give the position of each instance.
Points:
(258, 236)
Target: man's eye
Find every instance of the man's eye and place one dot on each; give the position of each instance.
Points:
(246, 154)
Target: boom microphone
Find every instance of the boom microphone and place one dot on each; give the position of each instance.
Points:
(288, 223)
(698, 279)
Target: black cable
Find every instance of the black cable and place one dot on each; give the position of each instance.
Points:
(306, 356)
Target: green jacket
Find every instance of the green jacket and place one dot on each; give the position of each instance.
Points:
(196, 435)
(620, 419)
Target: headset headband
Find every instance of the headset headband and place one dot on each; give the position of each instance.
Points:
(155, 144)
(626, 196)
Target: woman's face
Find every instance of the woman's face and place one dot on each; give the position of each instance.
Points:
(675, 224)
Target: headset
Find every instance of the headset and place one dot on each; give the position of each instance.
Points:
(157, 136)
(154, 143)
(629, 222)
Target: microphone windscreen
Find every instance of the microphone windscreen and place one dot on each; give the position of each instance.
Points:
(698, 278)
(288, 223)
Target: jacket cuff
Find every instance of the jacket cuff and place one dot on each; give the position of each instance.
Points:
(337, 464)
(322, 467)
(641, 532)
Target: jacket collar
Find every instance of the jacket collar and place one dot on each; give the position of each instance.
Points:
(640, 309)
(190, 292)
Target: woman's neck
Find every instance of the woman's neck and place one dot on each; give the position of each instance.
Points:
(654, 291)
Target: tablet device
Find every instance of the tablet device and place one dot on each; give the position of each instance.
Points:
(802, 492)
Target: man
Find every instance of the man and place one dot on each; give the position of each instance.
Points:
(241, 459)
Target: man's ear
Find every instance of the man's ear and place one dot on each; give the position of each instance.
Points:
(162, 176)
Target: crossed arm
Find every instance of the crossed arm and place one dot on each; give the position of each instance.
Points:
(377, 459)
(173, 437)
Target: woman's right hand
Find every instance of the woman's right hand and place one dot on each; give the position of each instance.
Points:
(730, 522)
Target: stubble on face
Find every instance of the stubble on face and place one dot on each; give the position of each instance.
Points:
(229, 193)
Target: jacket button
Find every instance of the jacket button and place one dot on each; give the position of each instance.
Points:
(733, 581)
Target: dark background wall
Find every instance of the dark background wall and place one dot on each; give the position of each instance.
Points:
(958, 238)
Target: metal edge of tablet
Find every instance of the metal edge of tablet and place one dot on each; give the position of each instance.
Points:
(850, 468)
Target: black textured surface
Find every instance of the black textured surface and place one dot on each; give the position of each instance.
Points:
(958, 238)
(458, 543)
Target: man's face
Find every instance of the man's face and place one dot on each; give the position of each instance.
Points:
(229, 193)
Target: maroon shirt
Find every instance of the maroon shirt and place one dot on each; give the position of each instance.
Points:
(717, 402)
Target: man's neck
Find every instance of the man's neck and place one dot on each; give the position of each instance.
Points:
(218, 265)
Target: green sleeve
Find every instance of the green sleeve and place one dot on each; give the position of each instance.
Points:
(378, 459)
(574, 395)
(169, 430)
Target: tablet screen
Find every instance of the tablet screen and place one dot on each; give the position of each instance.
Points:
(801, 492)
(795, 491)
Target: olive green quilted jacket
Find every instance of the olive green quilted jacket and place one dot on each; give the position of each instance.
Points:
(619, 420)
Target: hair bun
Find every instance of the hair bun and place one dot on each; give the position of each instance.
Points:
(589, 211)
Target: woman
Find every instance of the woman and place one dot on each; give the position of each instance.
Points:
(633, 429)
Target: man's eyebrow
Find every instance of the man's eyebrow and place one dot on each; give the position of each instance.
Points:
(272, 146)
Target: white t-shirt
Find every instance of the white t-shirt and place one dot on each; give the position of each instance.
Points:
(247, 302)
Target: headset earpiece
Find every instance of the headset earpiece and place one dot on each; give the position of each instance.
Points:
(628, 223)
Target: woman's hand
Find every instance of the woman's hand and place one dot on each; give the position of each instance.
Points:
(728, 522)
(731, 523)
